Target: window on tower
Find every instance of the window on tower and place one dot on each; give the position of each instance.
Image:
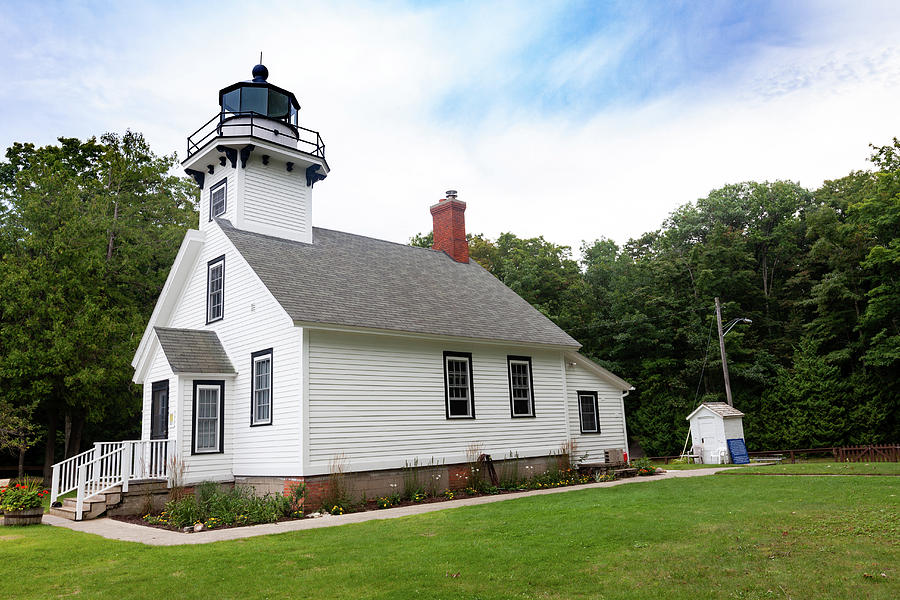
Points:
(217, 199)
(215, 289)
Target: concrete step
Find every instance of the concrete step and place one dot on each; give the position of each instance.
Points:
(71, 502)
(90, 511)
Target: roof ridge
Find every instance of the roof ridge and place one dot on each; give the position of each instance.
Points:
(368, 237)
(183, 329)
(230, 225)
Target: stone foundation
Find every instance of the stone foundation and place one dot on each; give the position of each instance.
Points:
(375, 484)
(140, 499)
(142, 496)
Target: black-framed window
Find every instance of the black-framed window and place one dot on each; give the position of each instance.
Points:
(159, 410)
(218, 199)
(261, 388)
(521, 386)
(588, 412)
(459, 391)
(209, 417)
(215, 289)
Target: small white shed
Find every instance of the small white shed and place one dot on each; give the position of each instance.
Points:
(712, 423)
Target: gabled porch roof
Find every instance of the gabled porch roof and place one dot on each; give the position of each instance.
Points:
(194, 351)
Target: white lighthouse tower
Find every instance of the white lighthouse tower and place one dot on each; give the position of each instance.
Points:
(255, 165)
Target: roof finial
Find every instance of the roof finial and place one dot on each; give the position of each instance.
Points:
(260, 72)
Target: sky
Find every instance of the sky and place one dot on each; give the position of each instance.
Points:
(571, 120)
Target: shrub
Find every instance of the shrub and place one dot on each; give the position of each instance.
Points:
(557, 478)
(643, 466)
(297, 496)
(216, 507)
(607, 476)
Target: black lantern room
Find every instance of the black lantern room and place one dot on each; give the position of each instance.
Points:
(258, 97)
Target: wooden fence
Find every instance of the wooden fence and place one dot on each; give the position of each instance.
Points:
(868, 453)
(883, 453)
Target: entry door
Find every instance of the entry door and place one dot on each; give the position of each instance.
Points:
(708, 440)
(159, 411)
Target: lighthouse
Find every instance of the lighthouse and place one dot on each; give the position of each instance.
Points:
(255, 164)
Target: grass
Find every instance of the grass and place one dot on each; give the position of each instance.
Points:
(824, 468)
(709, 537)
(687, 466)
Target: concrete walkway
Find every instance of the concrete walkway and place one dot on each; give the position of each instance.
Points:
(129, 532)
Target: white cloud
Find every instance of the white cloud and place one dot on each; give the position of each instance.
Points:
(373, 77)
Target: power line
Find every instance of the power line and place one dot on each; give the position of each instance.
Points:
(705, 359)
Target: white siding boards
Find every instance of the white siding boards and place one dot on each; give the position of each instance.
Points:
(253, 321)
(379, 401)
(159, 372)
(580, 380)
(275, 201)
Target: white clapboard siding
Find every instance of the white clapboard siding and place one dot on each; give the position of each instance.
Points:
(209, 183)
(252, 321)
(612, 420)
(159, 371)
(276, 201)
(379, 401)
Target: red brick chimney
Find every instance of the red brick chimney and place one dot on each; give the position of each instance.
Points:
(450, 227)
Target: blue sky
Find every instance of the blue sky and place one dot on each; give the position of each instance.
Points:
(575, 120)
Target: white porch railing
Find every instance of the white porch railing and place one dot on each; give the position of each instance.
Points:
(107, 465)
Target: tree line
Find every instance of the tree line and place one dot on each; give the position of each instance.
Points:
(89, 230)
(817, 272)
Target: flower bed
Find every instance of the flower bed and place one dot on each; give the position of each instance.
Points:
(212, 507)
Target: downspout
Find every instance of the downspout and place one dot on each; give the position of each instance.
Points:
(624, 423)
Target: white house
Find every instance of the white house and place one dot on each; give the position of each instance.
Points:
(276, 346)
(712, 425)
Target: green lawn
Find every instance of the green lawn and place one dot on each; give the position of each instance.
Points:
(688, 466)
(824, 468)
(709, 537)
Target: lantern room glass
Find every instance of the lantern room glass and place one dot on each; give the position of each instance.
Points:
(259, 100)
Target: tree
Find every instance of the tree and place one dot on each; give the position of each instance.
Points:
(18, 432)
(88, 232)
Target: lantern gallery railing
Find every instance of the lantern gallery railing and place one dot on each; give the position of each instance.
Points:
(253, 124)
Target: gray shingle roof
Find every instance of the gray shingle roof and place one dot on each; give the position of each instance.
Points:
(723, 410)
(193, 351)
(356, 281)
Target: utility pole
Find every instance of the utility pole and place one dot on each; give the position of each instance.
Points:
(722, 351)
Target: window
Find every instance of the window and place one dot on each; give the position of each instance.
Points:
(588, 413)
(261, 394)
(159, 410)
(217, 199)
(215, 289)
(521, 388)
(209, 423)
(458, 390)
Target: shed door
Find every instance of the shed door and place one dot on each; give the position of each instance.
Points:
(708, 439)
